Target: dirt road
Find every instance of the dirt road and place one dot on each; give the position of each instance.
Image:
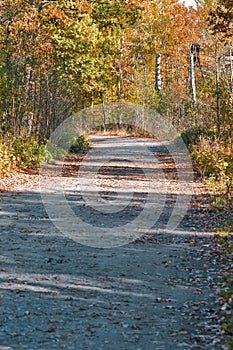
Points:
(156, 291)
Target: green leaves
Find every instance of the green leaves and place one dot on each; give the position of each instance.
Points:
(114, 15)
(77, 48)
(20, 153)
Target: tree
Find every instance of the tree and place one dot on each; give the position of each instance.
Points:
(53, 55)
(221, 18)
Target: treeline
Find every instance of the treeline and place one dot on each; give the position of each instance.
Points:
(58, 57)
(55, 57)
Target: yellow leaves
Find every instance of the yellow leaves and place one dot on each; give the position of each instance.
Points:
(223, 326)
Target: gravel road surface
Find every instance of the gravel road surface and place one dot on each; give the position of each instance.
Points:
(157, 292)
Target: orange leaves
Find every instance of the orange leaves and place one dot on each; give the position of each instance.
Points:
(27, 36)
(51, 330)
(54, 15)
(84, 6)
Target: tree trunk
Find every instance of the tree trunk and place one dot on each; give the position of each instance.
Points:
(84, 115)
(91, 111)
(119, 87)
(193, 81)
(217, 77)
(158, 73)
(104, 111)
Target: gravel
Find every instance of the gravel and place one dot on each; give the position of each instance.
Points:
(157, 292)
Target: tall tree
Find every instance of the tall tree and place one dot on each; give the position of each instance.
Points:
(221, 18)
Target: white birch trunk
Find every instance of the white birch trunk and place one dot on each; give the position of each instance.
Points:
(193, 80)
(158, 73)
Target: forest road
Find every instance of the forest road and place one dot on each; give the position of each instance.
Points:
(151, 290)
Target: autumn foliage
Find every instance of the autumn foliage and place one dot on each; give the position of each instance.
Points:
(58, 57)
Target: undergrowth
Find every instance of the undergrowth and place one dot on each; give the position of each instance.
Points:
(25, 152)
(213, 159)
(19, 153)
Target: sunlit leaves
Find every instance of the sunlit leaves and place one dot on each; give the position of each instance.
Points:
(221, 18)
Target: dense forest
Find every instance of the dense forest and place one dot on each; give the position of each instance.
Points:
(58, 57)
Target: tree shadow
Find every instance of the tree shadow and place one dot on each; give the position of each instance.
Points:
(58, 293)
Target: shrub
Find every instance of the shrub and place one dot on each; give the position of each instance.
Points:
(80, 144)
(63, 139)
(6, 158)
(214, 160)
(27, 151)
(19, 153)
(52, 151)
(193, 135)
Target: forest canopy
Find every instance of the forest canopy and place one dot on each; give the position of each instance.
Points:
(61, 56)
